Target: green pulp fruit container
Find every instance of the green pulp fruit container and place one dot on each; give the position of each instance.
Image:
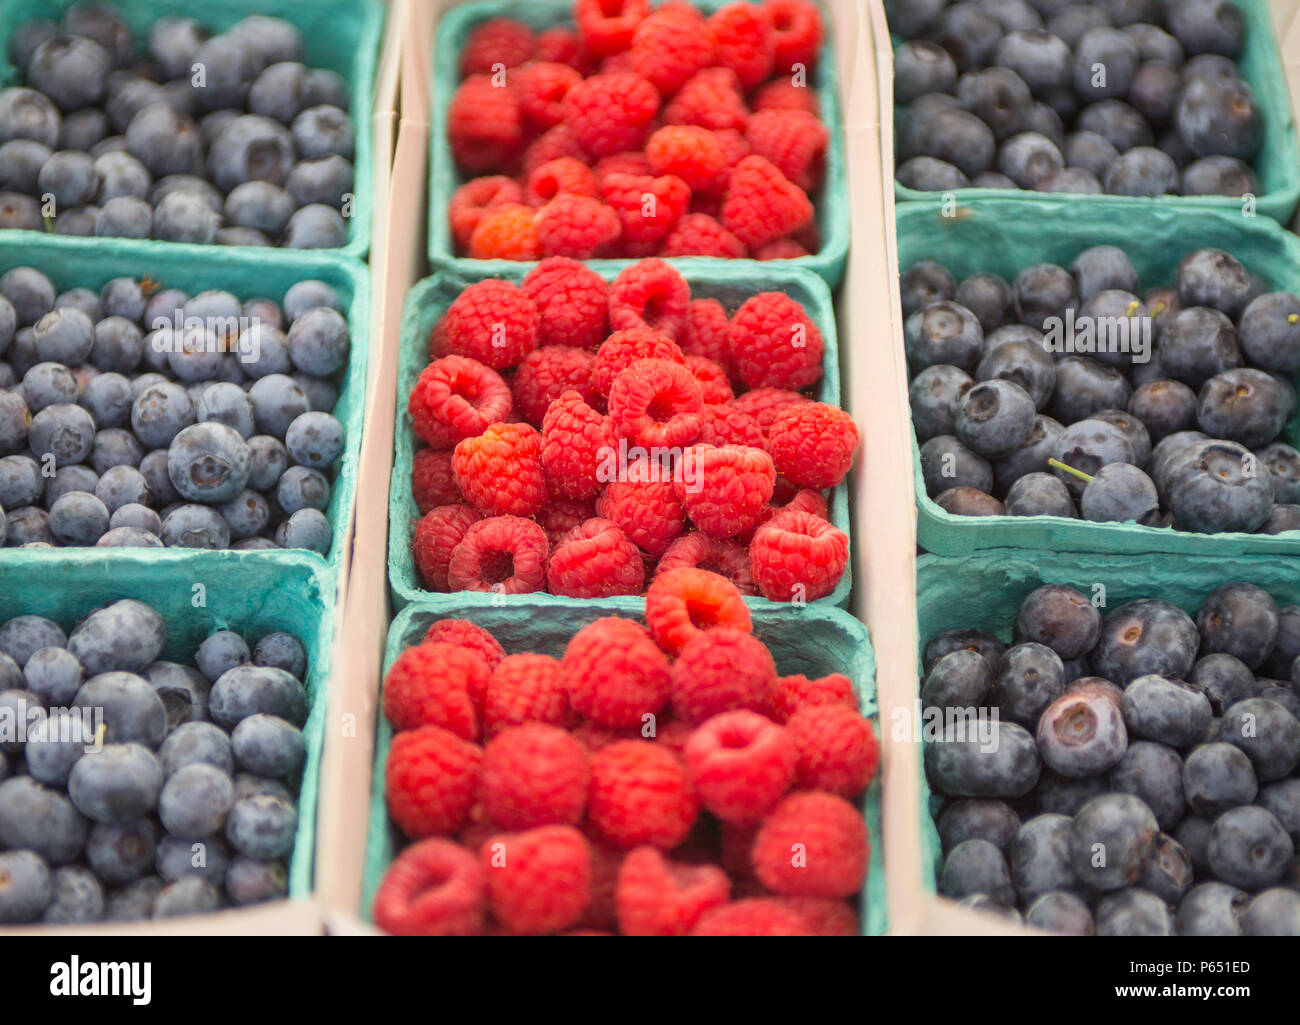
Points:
(1277, 165)
(816, 641)
(428, 301)
(1005, 236)
(984, 591)
(832, 205)
(197, 595)
(338, 35)
(71, 263)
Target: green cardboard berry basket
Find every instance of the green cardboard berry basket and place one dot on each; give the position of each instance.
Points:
(429, 299)
(1277, 165)
(1004, 236)
(453, 30)
(984, 591)
(71, 263)
(815, 641)
(338, 35)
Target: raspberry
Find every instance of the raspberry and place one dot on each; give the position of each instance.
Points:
(743, 40)
(533, 775)
(606, 27)
(691, 153)
(684, 604)
(761, 204)
(699, 234)
(546, 374)
(781, 249)
(752, 916)
(576, 441)
(506, 232)
(650, 294)
(593, 736)
(623, 348)
(797, 32)
(595, 560)
(707, 329)
(492, 321)
(572, 303)
(484, 125)
(824, 917)
(562, 514)
(471, 636)
(766, 404)
(555, 143)
(658, 897)
(670, 46)
(640, 795)
(627, 162)
(808, 501)
(610, 112)
(719, 671)
(740, 763)
(496, 41)
(774, 342)
(838, 750)
(699, 551)
(616, 674)
(503, 554)
(724, 490)
(457, 398)
(798, 555)
(561, 175)
(500, 471)
(538, 881)
(724, 425)
(433, 888)
(429, 781)
(793, 141)
(830, 836)
(560, 45)
(432, 483)
(648, 511)
(783, 94)
(673, 735)
(431, 684)
(540, 87)
(472, 200)
(735, 147)
(437, 534)
(812, 444)
(525, 688)
(648, 207)
(577, 226)
(656, 403)
(711, 98)
(797, 692)
(712, 378)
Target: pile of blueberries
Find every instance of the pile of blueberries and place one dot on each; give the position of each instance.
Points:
(183, 799)
(139, 416)
(1125, 97)
(1013, 423)
(1140, 778)
(226, 139)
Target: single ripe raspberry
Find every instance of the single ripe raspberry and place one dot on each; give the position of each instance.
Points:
(572, 303)
(595, 560)
(713, 380)
(707, 329)
(656, 403)
(471, 636)
(658, 897)
(432, 483)
(647, 510)
(775, 343)
(533, 775)
(579, 227)
(496, 41)
(492, 321)
(546, 374)
(437, 533)
(576, 443)
(540, 87)
(699, 551)
(752, 916)
(525, 688)
(812, 845)
(433, 888)
(648, 207)
(803, 500)
(783, 94)
(724, 490)
(562, 514)
(781, 249)
(721, 670)
(430, 780)
(794, 693)
(538, 881)
(561, 46)
(631, 161)
(743, 40)
(650, 294)
(812, 444)
(761, 204)
(611, 112)
(503, 554)
(558, 176)
(606, 27)
(711, 98)
(701, 235)
(684, 604)
(797, 31)
(623, 348)
(431, 685)
(724, 425)
(796, 555)
(484, 126)
(824, 916)
(838, 750)
(472, 200)
(616, 674)
(794, 142)
(500, 471)
(670, 46)
(555, 143)
(672, 734)
(457, 398)
(740, 763)
(593, 736)
(766, 404)
(506, 232)
(691, 153)
(639, 794)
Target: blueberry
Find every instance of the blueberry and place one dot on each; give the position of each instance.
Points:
(926, 174)
(1040, 494)
(319, 341)
(220, 651)
(195, 801)
(246, 515)
(1145, 637)
(173, 43)
(1212, 909)
(281, 650)
(250, 148)
(1105, 63)
(133, 901)
(117, 784)
(48, 384)
(1164, 407)
(271, 40)
(1060, 912)
(124, 636)
(252, 881)
(978, 818)
(26, 888)
(1219, 176)
(21, 161)
(54, 675)
(319, 227)
(1122, 828)
(1166, 710)
(183, 691)
(325, 130)
(70, 70)
(121, 853)
(977, 867)
(1283, 800)
(1142, 171)
(1081, 734)
(1116, 122)
(185, 217)
(955, 140)
(267, 745)
(961, 679)
(1133, 429)
(65, 431)
(78, 518)
(153, 467)
(944, 333)
(965, 501)
(196, 743)
(67, 479)
(76, 896)
(168, 184)
(1267, 733)
(1249, 848)
(260, 206)
(160, 413)
(1213, 278)
(1134, 912)
(1120, 493)
(303, 296)
(1029, 678)
(1213, 486)
(188, 896)
(29, 292)
(249, 785)
(1060, 618)
(934, 395)
(195, 526)
(121, 176)
(1154, 773)
(277, 402)
(1217, 777)
(1239, 619)
(1269, 332)
(207, 859)
(1040, 857)
(1087, 446)
(1207, 26)
(208, 462)
(1274, 912)
(108, 399)
(28, 526)
(230, 68)
(248, 690)
(979, 641)
(22, 636)
(1246, 406)
(263, 827)
(1224, 679)
(120, 486)
(947, 464)
(1004, 765)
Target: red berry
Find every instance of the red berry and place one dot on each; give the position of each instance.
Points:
(691, 153)
(658, 897)
(724, 425)
(708, 332)
(623, 348)
(533, 775)
(496, 41)
(650, 294)
(540, 87)
(713, 380)
(797, 34)
(432, 483)
(595, 560)
(670, 46)
(702, 235)
(579, 227)
(546, 374)
(457, 398)
(616, 674)
(576, 442)
(699, 551)
(525, 688)
(813, 444)
(555, 143)
(725, 489)
(431, 685)
(494, 322)
(795, 142)
(558, 176)
(506, 232)
(752, 916)
(500, 471)
(775, 343)
(761, 204)
(721, 670)
(610, 112)
(433, 888)
(798, 556)
(743, 41)
(572, 303)
(838, 750)
(639, 794)
(782, 94)
(538, 881)
(503, 554)
(766, 404)
(606, 26)
(711, 98)
(562, 514)
(797, 692)
(437, 533)
(430, 781)
(812, 845)
(472, 200)
(484, 125)
(740, 763)
(684, 604)
(656, 403)
(648, 207)
(647, 510)
(465, 634)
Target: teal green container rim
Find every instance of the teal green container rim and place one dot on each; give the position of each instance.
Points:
(832, 207)
(943, 533)
(359, 70)
(429, 298)
(69, 263)
(413, 621)
(1277, 165)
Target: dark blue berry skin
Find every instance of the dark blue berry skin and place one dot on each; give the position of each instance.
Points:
(946, 463)
(1087, 446)
(120, 486)
(231, 69)
(969, 502)
(264, 350)
(21, 482)
(944, 333)
(117, 784)
(1030, 159)
(1249, 848)
(978, 819)
(53, 747)
(314, 439)
(1267, 733)
(1038, 57)
(1207, 26)
(115, 447)
(1081, 734)
(302, 488)
(208, 462)
(1142, 171)
(960, 767)
(132, 711)
(977, 867)
(195, 801)
(1215, 279)
(64, 335)
(1243, 405)
(173, 42)
(1031, 457)
(1283, 464)
(194, 526)
(28, 888)
(1154, 773)
(41, 819)
(277, 402)
(1060, 618)
(319, 341)
(1219, 176)
(934, 395)
(126, 635)
(1269, 337)
(961, 679)
(1128, 830)
(990, 298)
(919, 67)
(1215, 486)
(189, 896)
(135, 517)
(183, 691)
(1239, 619)
(315, 227)
(163, 139)
(1120, 493)
(1217, 777)
(1164, 407)
(1283, 800)
(23, 636)
(248, 690)
(29, 292)
(1029, 677)
(1043, 291)
(1169, 874)
(308, 529)
(979, 641)
(65, 431)
(308, 295)
(185, 217)
(249, 785)
(1062, 913)
(1117, 122)
(1224, 679)
(1154, 93)
(262, 827)
(160, 413)
(206, 859)
(1040, 858)
(1167, 711)
(134, 901)
(252, 881)
(129, 537)
(1085, 386)
(1023, 363)
(1212, 909)
(121, 853)
(221, 651)
(1275, 912)
(19, 707)
(268, 746)
(108, 399)
(78, 518)
(1144, 637)
(196, 742)
(327, 181)
(28, 526)
(76, 896)
(54, 675)
(260, 206)
(323, 130)
(153, 467)
(1134, 912)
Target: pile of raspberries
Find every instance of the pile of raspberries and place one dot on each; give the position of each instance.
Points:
(640, 133)
(583, 436)
(660, 781)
